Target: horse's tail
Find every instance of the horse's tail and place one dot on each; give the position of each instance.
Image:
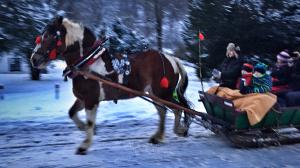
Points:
(181, 88)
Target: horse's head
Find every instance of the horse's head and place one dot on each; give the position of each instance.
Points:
(50, 44)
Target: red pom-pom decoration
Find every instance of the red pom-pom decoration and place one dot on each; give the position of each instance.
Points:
(52, 54)
(164, 82)
(38, 40)
(59, 43)
(201, 37)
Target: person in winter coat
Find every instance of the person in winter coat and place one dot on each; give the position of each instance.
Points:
(293, 98)
(230, 70)
(247, 74)
(295, 73)
(281, 73)
(261, 82)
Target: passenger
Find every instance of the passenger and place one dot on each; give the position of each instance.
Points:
(261, 82)
(293, 97)
(230, 70)
(295, 74)
(247, 74)
(281, 73)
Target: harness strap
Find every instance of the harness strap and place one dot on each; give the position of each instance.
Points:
(163, 64)
(93, 54)
(81, 48)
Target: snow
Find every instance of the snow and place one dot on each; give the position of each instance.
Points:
(35, 131)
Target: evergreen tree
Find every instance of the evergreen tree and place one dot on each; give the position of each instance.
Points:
(124, 40)
(206, 16)
(21, 21)
(260, 27)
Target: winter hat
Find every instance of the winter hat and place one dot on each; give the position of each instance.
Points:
(261, 68)
(247, 67)
(284, 57)
(231, 50)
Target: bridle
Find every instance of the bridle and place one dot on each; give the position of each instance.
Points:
(52, 51)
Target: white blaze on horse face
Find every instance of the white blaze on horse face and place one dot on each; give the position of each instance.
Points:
(37, 47)
(173, 63)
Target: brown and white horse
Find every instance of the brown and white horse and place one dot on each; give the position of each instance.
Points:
(71, 40)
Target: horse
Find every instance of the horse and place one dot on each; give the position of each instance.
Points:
(70, 40)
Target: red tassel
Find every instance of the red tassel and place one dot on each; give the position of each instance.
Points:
(164, 82)
(38, 40)
(52, 54)
(59, 43)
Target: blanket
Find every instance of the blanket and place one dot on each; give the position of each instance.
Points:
(256, 105)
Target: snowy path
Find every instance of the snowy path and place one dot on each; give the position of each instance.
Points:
(41, 135)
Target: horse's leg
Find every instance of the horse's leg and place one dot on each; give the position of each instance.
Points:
(91, 113)
(159, 135)
(178, 128)
(76, 107)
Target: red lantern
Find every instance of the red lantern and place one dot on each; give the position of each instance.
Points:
(201, 37)
(38, 40)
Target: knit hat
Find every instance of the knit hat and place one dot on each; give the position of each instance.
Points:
(261, 68)
(232, 50)
(247, 67)
(284, 57)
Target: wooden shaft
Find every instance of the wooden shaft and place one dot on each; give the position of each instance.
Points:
(142, 94)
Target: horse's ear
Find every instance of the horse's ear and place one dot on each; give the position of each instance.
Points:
(60, 20)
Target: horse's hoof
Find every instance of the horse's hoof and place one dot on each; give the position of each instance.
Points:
(81, 151)
(82, 127)
(182, 132)
(154, 140)
(185, 133)
(95, 130)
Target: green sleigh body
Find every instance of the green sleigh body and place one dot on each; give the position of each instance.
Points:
(279, 126)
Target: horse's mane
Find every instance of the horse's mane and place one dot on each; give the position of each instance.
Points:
(74, 31)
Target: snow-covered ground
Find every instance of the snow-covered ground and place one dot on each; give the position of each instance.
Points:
(35, 131)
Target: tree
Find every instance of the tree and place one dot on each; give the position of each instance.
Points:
(21, 21)
(208, 17)
(124, 40)
(258, 26)
(159, 22)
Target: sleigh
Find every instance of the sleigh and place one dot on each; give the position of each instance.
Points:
(279, 126)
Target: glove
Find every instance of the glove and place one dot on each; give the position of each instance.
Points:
(244, 82)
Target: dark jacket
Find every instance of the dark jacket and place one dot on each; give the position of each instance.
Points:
(295, 76)
(281, 75)
(230, 72)
(258, 85)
